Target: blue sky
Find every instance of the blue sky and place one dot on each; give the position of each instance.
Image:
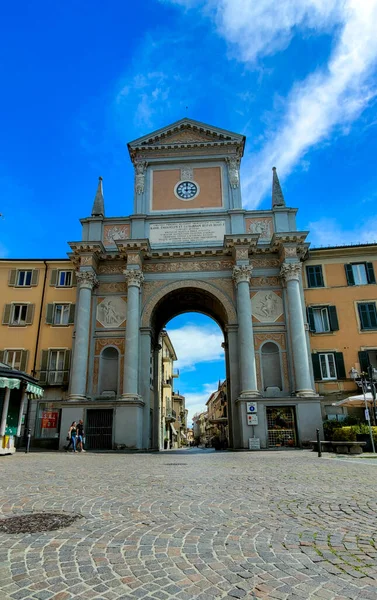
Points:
(80, 80)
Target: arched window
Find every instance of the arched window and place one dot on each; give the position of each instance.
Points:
(108, 372)
(271, 366)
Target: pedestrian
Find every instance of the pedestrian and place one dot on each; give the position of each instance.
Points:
(72, 432)
(80, 436)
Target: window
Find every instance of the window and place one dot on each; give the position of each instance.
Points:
(65, 279)
(61, 314)
(24, 278)
(360, 273)
(327, 364)
(16, 359)
(368, 315)
(55, 365)
(19, 313)
(314, 276)
(322, 319)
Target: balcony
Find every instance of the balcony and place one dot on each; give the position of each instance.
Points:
(167, 382)
(51, 378)
(175, 373)
(170, 415)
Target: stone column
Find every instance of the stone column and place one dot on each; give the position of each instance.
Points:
(4, 414)
(248, 373)
(86, 280)
(291, 273)
(134, 278)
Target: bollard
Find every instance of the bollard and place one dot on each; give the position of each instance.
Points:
(319, 445)
(28, 441)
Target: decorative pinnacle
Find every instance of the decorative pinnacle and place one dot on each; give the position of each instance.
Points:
(277, 194)
(98, 209)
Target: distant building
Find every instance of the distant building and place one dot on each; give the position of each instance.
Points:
(217, 421)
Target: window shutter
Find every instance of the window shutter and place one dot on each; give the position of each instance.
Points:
(349, 275)
(311, 319)
(44, 365)
(54, 277)
(29, 314)
(2, 352)
(340, 368)
(74, 278)
(6, 314)
(71, 318)
(34, 277)
(309, 276)
(50, 314)
(364, 361)
(12, 277)
(363, 314)
(67, 364)
(372, 315)
(23, 361)
(333, 318)
(370, 273)
(316, 366)
(319, 276)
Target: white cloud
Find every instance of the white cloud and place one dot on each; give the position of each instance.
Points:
(328, 232)
(329, 98)
(197, 344)
(196, 401)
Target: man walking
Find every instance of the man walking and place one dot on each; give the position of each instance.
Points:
(80, 436)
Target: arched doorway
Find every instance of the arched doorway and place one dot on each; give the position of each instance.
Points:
(172, 300)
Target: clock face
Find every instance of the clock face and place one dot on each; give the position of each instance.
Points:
(186, 190)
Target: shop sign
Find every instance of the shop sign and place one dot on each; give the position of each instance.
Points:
(252, 419)
(50, 420)
(251, 407)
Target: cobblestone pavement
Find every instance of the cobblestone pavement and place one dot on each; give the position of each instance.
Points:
(191, 524)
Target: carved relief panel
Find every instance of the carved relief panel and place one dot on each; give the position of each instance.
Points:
(116, 231)
(266, 306)
(111, 312)
(263, 226)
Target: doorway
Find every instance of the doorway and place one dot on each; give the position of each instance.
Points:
(99, 429)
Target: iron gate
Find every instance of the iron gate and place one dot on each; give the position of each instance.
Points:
(99, 429)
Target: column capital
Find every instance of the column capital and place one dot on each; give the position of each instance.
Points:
(86, 279)
(242, 273)
(134, 277)
(291, 271)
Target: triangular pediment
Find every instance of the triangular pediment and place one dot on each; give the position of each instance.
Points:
(187, 132)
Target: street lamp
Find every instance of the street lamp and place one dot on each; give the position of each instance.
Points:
(365, 383)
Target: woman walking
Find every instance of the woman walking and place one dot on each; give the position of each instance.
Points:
(72, 433)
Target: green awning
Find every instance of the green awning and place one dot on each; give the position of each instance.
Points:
(34, 389)
(7, 382)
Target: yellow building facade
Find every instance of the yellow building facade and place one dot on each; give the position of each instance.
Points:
(341, 300)
(38, 311)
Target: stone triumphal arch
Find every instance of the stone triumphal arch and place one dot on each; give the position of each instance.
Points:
(191, 246)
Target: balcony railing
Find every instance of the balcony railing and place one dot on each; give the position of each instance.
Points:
(171, 415)
(175, 373)
(52, 377)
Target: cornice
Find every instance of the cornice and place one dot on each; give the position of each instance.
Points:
(124, 246)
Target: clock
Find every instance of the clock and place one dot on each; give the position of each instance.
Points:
(186, 190)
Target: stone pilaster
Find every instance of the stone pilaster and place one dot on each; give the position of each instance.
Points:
(86, 281)
(291, 273)
(248, 377)
(4, 413)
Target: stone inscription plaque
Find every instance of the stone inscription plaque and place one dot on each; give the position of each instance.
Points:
(194, 231)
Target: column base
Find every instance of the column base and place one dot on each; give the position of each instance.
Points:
(306, 394)
(133, 399)
(248, 395)
(77, 398)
